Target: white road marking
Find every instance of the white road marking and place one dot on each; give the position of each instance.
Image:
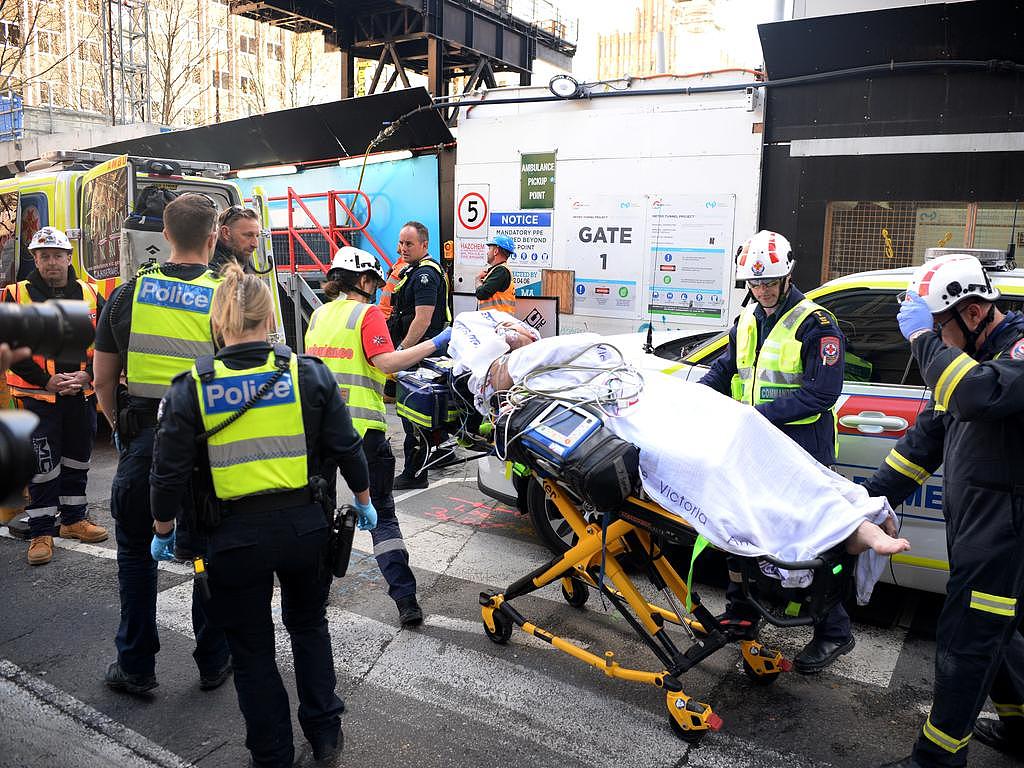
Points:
(107, 553)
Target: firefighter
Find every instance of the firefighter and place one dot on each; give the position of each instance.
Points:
(350, 335)
(494, 285)
(152, 329)
(971, 355)
(786, 359)
(61, 395)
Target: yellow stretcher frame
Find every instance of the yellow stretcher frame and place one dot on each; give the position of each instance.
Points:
(576, 568)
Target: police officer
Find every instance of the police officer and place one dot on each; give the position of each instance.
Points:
(494, 286)
(61, 396)
(420, 309)
(785, 358)
(152, 328)
(260, 422)
(350, 335)
(972, 357)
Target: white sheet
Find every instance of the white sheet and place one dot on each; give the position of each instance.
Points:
(724, 468)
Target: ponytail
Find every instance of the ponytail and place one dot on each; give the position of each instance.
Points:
(241, 303)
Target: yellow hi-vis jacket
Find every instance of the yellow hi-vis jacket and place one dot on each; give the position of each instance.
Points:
(170, 329)
(335, 337)
(761, 377)
(264, 450)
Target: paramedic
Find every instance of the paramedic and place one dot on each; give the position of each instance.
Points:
(971, 355)
(61, 395)
(786, 359)
(350, 335)
(494, 286)
(152, 328)
(257, 472)
(420, 310)
(238, 235)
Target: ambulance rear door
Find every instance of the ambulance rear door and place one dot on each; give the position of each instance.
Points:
(263, 257)
(105, 199)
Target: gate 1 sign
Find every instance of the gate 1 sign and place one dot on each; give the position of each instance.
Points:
(537, 180)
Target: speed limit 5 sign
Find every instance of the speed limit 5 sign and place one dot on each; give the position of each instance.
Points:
(471, 210)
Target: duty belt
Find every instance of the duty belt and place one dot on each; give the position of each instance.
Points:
(267, 502)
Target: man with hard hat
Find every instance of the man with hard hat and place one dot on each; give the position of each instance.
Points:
(494, 287)
(61, 395)
(971, 355)
(786, 359)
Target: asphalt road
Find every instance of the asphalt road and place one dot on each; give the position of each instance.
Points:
(443, 695)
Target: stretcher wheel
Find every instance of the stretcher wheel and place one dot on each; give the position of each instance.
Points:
(579, 596)
(690, 737)
(764, 679)
(502, 628)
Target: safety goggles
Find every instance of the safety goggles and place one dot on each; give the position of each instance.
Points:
(764, 282)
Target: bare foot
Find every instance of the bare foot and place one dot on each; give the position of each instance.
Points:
(870, 536)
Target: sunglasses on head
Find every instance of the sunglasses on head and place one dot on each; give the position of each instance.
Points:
(228, 215)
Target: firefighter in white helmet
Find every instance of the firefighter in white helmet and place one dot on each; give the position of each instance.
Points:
(972, 357)
(786, 359)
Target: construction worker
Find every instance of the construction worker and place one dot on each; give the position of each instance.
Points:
(971, 355)
(421, 310)
(238, 235)
(61, 395)
(786, 359)
(152, 329)
(389, 286)
(258, 453)
(494, 286)
(350, 335)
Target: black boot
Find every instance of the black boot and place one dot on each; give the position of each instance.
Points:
(409, 612)
(404, 482)
(998, 735)
(819, 654)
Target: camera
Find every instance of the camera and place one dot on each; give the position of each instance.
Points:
(59, 330)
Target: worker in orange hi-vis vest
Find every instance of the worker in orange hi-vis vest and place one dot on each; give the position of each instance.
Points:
(389, 286)
(494, 286)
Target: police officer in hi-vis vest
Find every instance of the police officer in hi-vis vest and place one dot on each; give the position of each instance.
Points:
(786, 358)
(350, 335)
(61, 396)
(494, 286)
(259, 423)
(152, 329)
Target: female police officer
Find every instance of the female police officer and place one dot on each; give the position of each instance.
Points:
(286, 420)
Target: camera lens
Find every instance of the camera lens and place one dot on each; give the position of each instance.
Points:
(61, 330)
(17, 459)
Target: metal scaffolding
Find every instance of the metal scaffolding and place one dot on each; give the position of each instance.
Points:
(126, 60)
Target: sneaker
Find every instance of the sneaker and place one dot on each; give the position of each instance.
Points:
(119, 680)
(409, 612)
(406, 483)
(215, 679)
(40, 551)
(84, 530)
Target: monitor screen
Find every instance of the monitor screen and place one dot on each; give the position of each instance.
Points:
(564, 420)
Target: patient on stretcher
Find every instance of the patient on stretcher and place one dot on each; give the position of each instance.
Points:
(716, 463)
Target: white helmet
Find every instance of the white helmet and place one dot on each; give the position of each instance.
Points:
(766, 255)
(353, 259)
(49, 237)
(947, 280)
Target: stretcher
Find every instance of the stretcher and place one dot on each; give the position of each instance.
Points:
(600, 497)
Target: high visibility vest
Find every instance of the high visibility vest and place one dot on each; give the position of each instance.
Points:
(170, 329)
(403, 278)
(763, 376)
(389, 288)
(503, 301)
(335, 336)
(21, 388)
(264, 450)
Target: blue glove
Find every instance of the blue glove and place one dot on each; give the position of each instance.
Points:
(914, 315)
(367, 515)
(162, 547)
(441, 340)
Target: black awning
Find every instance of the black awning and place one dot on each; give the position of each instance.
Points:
(317, 132)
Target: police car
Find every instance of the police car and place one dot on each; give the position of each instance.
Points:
(881, 398)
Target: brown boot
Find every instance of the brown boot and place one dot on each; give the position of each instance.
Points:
(40, 551)
(85, 531)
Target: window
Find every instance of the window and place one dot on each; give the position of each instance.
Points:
(89, 51)
(248, 44)
(275, 51)
(45, 95)
(48, 42)
(10, 34)
(222, 80)
(247, 84)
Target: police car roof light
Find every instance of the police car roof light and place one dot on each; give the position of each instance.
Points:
(188, 167)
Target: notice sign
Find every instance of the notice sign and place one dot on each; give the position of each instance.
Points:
(531, 233)
(689, 241)
(605, 246)
(537, 180)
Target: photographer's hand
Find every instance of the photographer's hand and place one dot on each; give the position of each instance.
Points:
(9, 357)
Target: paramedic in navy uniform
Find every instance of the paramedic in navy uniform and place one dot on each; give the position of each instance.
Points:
(259, 468)
(786, 359)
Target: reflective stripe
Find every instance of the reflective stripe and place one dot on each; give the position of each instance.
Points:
(1001, 606)
(391, 545)
(745, 373)
(257, 449)
(367, 414)
(769, 376)
(415, 417)
(950, 377)
(1009, 710)
(42, 512)
(354, 379)
(943, 740)
(74, 463)
(355, 317)
(151, 344)
(46, 477)
(905, 467)
(152, 391)
(69, 500)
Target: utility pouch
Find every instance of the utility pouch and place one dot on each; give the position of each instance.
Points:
(343, 529)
